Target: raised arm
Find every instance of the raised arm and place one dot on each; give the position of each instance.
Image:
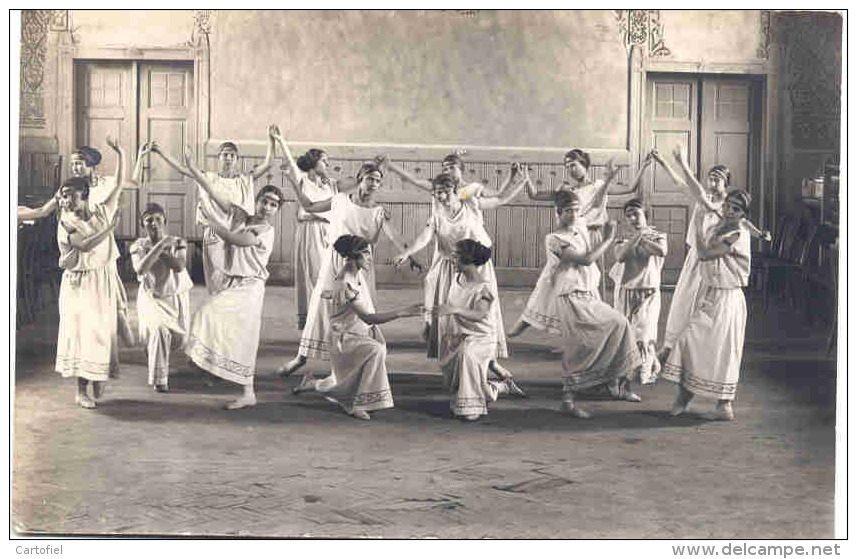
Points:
(200, 179)
(506, 194)
(755, 231)
(25, 213)
(572, 256)
(533, 193)
(647, 161)
(155, 148)
(269, 154)
(309, 205)
(111, 201)
(294, 171)
(697, 191)
(384, 162)
(137, 174)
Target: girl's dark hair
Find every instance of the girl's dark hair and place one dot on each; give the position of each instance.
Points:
(273, 189)
(78, 184)
(635, 203)
(307, 161)
(472, 252)
(455, 159)
(91, 156)
(722, 171)
(368, 167)
(443, 181)
(741, 197)
(577, 155)
(348, 246)
(227, 145)
(152, 208)
(564, 199)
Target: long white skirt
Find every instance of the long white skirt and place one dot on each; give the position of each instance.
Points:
(163, 322)
(438, 282)
(465, 374)
(684, 296)
(311, 246)
(314, 339)
(598, 345)
(87, 344)
(706, 358)
(224, 331)
(213, 261)
(359, 378)
(642, 307)
(540, 311)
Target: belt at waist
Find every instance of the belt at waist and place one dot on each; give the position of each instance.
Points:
(593, 227)
(311, 218)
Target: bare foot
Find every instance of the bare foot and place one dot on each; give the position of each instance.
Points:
(161, 388)
(307, 384)
(292, 366)
(98, 388)
(471, 417)
(574, 411)
(242, 402)
(360, 414)
(514, 389)
(723, 412)
(84, 401)
(679, 406)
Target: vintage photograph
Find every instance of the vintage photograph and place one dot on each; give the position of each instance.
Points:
(453, 273)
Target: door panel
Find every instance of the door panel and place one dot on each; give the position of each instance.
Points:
(726, 126)
(671, 119)
(166, 102)
(105, 94)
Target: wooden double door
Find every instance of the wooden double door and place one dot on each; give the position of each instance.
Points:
(717, 119)
(136, 102)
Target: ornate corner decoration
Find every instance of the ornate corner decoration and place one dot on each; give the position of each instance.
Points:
(34, 49)
(59, 20)
(640, 28)
(201, 26)
(763, 50)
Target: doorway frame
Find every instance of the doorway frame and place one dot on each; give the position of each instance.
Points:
(69, 54)
(762, 69)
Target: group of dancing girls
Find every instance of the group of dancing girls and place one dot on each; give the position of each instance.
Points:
(603, 348)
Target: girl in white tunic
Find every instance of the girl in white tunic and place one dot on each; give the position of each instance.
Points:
(706, 213)
(233, 187)
(311, 242)
(163, 299)
(355, 213)
(637, 274)
(599, 348)
(359, 382)
(454, 219)
(457, 214)
(90, 291)
(470, 335)
(706, 357)
(225, 330)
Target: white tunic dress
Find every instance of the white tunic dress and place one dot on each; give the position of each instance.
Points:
(467, 223)
(239, 191)
(346, 218)
(163, 309)
(225, 330)
(358, 351)
(311, 243)
(706, 357)
(90, 295)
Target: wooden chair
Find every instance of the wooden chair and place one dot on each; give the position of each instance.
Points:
(773, 264)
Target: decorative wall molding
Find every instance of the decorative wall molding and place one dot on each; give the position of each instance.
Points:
(763, 49)
(642, 28)
(34, 51)
(59, 20)
(201, 25)
(811, 48)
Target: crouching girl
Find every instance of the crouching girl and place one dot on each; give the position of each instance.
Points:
(358, 381)
(470, 337)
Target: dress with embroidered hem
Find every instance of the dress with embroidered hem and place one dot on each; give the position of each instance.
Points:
(598, 342)
(706, 357)
(467, 223)
(238, 190)
(358, 351)
(90, 295)
(225, 330)
(346, 218)
(163, 309)
(311, 242)
(470, 347)
(540, 311)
